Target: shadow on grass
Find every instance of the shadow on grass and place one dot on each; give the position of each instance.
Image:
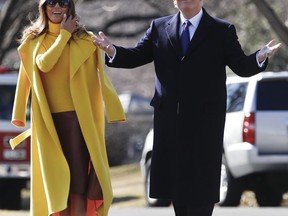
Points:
(124, 199)
(116, 200)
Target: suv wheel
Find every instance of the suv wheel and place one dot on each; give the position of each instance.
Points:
(230, 188)
(151, 201)
(267, 196)
(10, 197)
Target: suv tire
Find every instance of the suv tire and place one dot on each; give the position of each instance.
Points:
(267, 196)
(230, 188)
(11, 193)
(151, 201)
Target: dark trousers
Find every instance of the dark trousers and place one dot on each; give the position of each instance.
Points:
(184, 209)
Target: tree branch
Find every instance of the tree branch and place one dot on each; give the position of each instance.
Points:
(280, 29)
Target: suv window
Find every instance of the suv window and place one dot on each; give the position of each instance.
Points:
(140, 105)
(6, 101)
(7, 93)
(272, 95)
(235, 96)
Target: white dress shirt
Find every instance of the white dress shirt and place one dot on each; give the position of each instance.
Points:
(194, 21)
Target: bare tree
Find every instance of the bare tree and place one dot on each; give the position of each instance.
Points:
(131, 22)
(275, 22)
(13, 16)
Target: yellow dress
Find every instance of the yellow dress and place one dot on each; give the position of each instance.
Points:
(53, 61)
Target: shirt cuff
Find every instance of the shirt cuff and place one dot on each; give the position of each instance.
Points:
(260, 64)
(111, 58)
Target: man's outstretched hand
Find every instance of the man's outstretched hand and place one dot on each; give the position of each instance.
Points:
(270, 49)
(104, 43)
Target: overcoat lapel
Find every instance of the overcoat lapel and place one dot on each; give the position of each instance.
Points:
(172, 31)
(201, 33)
(30, 50)
(80, 46)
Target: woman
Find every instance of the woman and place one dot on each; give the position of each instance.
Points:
(63, 69)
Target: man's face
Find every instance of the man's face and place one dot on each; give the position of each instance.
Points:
(189, 6)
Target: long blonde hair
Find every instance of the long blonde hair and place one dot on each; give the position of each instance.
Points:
(40, 25)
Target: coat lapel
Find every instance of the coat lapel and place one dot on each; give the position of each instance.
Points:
(28, 52)
(201, 33)
(80, 51)
(172, 31)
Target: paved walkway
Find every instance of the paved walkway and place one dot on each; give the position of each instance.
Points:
(239, 211)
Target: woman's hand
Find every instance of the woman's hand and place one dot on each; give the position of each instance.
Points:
(70, 24)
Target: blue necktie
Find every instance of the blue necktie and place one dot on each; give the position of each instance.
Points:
(185, 38)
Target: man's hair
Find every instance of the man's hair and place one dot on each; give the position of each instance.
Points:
(175, 5)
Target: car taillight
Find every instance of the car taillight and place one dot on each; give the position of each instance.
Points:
(249, 128)
(5, 69)
(21, 153)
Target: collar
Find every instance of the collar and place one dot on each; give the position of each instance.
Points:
(194, 20)
(53, 28)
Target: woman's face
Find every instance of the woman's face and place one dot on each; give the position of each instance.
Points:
(56, 9)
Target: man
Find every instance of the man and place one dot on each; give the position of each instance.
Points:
(189, 101)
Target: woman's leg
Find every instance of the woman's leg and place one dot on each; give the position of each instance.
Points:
(66, 212)
(78, 205)
(77, 156)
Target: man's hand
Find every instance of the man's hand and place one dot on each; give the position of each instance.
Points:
(268, 50)
(104, 43)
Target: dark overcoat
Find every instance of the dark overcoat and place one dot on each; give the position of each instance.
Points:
(189, 103)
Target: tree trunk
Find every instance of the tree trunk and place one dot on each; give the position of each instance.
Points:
(276, 24)
(14, 15)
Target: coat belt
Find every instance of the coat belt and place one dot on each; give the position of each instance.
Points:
(18, 139)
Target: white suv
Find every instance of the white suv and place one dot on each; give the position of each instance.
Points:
(14, 164)
(256, 139)
(255, 153)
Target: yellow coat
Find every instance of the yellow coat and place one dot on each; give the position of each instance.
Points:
(90, 87)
